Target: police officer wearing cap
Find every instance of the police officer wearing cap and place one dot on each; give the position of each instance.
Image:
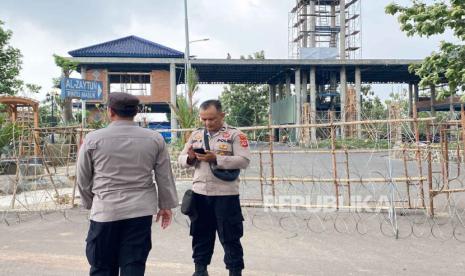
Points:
(116, 169)
(215, 198)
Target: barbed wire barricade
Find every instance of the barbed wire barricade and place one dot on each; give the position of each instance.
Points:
(398, 178)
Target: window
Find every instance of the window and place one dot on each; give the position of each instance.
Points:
(137, 84)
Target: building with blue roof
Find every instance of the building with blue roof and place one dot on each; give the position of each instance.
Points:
(152, 72)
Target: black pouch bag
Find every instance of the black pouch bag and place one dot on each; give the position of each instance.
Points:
(225, 175)
(187, 205)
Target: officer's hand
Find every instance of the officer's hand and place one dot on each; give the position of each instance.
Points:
(166, 216)
(190, 153)
(209, 156)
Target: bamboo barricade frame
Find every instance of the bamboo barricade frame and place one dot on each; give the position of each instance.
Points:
(338, 182)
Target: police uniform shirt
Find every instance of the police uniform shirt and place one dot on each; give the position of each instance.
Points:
(114, 173)
(232, 152)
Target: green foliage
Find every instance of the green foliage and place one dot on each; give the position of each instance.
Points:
(67, 66)
(186, 118)
(447, 65)
(10, 64)
(7, 132)
(246, 104)
(33, 88)
(372, 107)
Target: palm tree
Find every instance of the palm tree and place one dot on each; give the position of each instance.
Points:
(186, 115)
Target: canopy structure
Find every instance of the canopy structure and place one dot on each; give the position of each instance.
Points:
(23, 111)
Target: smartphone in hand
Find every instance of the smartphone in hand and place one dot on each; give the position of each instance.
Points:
(199, 151)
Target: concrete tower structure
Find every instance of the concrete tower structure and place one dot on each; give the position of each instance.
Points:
(325, 30)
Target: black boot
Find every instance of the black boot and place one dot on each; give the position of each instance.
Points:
(200, 270)
(237, 272)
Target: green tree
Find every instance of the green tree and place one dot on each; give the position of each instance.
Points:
(67, 67)
(246, 104)
(10, 64)
(448, 64)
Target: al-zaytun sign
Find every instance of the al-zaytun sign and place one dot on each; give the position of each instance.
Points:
(82, 89)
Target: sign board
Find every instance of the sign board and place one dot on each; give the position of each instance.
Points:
(82, 89)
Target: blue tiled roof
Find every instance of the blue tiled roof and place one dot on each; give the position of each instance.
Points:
(130, 46)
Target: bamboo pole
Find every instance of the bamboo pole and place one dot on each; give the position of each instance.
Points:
(446, 159)
(347, 174)
(430, 171)
(261, 177)
(341, 181)
(271, 140)
(15, 187)
(78, 146)
(407, 183)
(330, 151)
(375, 208)
(445, 162)
(333, 157)
(418, 154)
(448, 191)
(324, 125)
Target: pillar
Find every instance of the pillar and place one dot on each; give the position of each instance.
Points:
(272, 99)
(83, 102)
(433, 100)
(410, 100)
(332, 42)
(174, 121)
(280, 91)
(342, 34)
(288, 85)
(304, 15)
(358, 99)
(36, 132)
(272, 89)
(343, 89)
(313, 103)
(312, 24)
(298, 96)
(303, 94)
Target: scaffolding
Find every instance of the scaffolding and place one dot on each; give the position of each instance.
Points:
(317, 24)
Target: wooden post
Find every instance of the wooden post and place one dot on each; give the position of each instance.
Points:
(418, 154)
(271, 139)
(446, 162)
(333, 156)
(430, 171)
(261, 175)
(407, 181)
(462, 121)
(18, 154)
(347, 174)
(78, 146)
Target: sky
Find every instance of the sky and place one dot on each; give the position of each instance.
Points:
(42, 28)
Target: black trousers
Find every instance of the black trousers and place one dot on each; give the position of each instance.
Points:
(122, 245)
(220, 214)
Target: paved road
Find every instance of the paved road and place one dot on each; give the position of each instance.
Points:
(55, 246)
